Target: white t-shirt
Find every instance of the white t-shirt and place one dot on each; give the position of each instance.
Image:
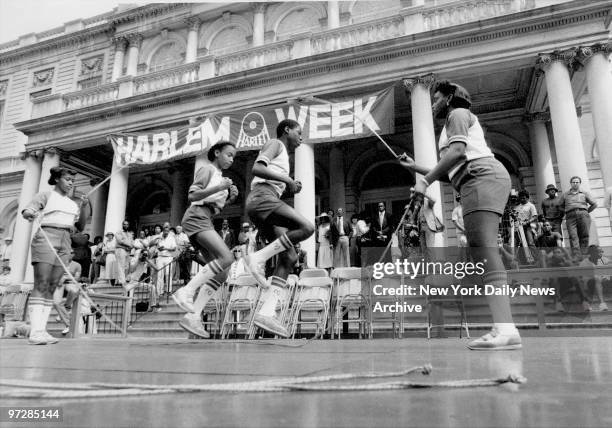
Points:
(279, 163)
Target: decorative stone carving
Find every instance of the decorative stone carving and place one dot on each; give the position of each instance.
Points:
(92, 65)
(134, 40)
(120, 43)
(43, 77)
(567, 57)
(587, 52)
(259, 7)
(426, 79)
(538, 116)
(193, 23)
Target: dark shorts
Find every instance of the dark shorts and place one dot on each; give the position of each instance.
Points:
(484, 185)
(197, 218)
(60, 240)
(261, 202)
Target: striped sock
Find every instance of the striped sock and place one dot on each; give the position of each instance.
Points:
(36, 306)
(206, 293)
(271, 296)
(275, 247)
(499, 278)
(208, 272)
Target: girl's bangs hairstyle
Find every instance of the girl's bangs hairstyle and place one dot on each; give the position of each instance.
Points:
(218, 146)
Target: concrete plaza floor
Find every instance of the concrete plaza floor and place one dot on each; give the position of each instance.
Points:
(569, 382)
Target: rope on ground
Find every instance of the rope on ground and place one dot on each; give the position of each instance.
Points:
(32, 389)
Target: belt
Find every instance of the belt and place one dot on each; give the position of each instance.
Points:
(575, 209)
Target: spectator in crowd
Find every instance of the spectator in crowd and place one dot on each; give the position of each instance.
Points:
(166, 245)
(508, 219)
(457, 218)
(82, 251)
(594, 258)
(5, 278)
(409, 231)
(184, 254)
(560, 258)
(6, 250)
(109, 268)
(549, 238)
(382, 226)
(243, 236)
(97, 258)
(302, 260)
(354, 237)
(577, 205)
(527, 216)
(69, 287)
(552, 208)
(123, 246)
(237, 268)
(325, 255)
(340, 231)
(429, 224)
(227, 234)
(608, 202)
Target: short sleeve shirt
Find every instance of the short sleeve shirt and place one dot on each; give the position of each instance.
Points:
(577, 200)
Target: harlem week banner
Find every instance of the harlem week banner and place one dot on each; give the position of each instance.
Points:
(321, 121)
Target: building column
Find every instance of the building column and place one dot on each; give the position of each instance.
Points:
(336, 178)
(566, 130)
(98, 204)
(120, 45)
(23, 228)
(333, 14)
(259, 10)
(425, 151)
(304, 202)
(51, 159)
(117, 198)
(178, 203)
(540, 151)
(135, 40)
(599, 81)
(191, 53)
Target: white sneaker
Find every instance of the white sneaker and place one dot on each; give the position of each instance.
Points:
(183, 300)
(50, 339)
(37, 338)
(194, 326)
(271, 324)
(254, 268)
(65, 331)
(495, 341)
(602, 307)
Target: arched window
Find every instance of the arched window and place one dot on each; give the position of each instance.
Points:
(230, 39)
(297, 21)
(368, 10)
(167, 56)
(387, 175)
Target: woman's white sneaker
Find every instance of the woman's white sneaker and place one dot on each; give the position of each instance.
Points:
(495, 341)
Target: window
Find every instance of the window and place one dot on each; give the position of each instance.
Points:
(167, 56)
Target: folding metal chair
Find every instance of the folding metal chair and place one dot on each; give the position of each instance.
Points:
(347, 294)
(283, 306)
(241, 305)
(455, 301)
(214, 311)
(312, 295)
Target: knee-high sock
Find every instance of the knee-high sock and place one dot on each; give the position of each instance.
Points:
(46, 312)
(275, 247)
(207, 291)
(500, 305)
(36, 307)
(272, 296)
(208, 272)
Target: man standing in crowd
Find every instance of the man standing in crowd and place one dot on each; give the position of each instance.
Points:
(243, 236)
(382, 226)
(166, 245)
(125, 243)
(184, 259)
(527, 216)
(82, 251)
(340, 231)
(552, 209)
(577, 205)
(227, 234)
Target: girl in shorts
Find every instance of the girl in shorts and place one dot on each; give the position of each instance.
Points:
(208, 195)
(58, 215)
(484, 186)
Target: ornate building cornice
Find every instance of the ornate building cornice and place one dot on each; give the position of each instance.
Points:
(120, 43)
(193, 23)
(568, 57)
(538, 116)
(147, 12)
(585, 53)
(134, 39)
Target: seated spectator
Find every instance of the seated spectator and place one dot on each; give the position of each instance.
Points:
(507, 253)
(594, 258)
(559, 258)
(5, 278)
(301, 262)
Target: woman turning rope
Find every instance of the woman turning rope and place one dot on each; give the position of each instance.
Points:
(208, 195)
(58, 215)
(484, 185)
